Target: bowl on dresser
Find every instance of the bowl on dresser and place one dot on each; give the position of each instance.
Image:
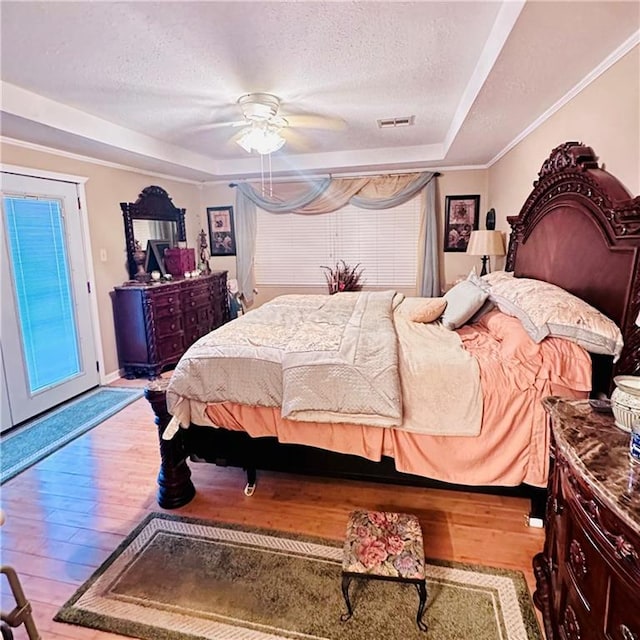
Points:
(625, 401)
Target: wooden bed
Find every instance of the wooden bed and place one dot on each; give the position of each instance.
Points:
(578, 229)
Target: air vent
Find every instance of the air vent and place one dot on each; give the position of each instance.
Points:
(386, 123)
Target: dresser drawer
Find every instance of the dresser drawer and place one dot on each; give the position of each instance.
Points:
(198, 294)
(164, 295)
(615, 540)
(584, 568)
(171, 348)
(195, 333)
(575, 622)
(198, 318)
(168, 325)
(166, 304)
(623, 621)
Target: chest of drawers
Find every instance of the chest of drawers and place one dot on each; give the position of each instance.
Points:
(588, 576)
(155, 324)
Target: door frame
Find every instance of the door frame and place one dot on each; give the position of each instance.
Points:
(79, 181)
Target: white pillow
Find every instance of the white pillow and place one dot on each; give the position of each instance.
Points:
(548, 310)
(463, 300)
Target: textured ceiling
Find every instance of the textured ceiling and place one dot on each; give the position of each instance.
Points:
(141, 83)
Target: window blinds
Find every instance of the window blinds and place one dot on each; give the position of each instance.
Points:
(35, 230)
(290, 248)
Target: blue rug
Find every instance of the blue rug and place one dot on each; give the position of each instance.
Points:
(38, 438)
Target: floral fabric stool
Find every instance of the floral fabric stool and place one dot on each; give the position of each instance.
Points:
(385, 546)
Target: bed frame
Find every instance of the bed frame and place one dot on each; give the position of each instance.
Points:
(578, 229)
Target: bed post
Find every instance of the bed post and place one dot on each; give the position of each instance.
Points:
(175, 488)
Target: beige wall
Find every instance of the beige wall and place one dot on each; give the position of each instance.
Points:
(605, 116)
(105, 188)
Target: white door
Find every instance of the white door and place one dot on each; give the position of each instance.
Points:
(47, 339)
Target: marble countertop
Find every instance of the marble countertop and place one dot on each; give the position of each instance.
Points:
(600, 450)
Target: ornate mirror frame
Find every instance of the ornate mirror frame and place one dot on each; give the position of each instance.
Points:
(153, 203)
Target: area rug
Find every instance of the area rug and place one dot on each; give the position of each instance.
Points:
(177, 578)
(36, 439)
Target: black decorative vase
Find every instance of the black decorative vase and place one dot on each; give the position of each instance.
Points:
(491, 219)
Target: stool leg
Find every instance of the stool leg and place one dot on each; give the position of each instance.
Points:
(346, 581)
(422, 592)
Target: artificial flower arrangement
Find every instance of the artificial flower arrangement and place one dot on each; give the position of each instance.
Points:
(343, 277)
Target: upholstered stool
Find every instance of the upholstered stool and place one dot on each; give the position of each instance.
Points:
(384, 546)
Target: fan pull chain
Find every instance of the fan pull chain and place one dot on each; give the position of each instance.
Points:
(262, 174)
(270, 179)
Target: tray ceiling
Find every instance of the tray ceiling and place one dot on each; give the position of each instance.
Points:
(141, 83)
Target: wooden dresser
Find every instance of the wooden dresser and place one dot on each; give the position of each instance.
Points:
(588, 576)
(155, 323)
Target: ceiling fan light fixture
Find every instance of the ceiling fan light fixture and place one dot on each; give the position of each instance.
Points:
(261, 139)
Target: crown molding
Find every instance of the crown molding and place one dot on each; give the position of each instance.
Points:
(91, 160)
(605, 65)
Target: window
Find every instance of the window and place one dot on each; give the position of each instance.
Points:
(290, 248)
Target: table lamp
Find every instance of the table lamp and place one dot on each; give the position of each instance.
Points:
(485, 244)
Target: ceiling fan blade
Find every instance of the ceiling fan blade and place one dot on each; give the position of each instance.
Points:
(310, 121)
(295, 140)
(231, 123)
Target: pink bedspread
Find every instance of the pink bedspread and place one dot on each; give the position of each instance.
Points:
(513, 445)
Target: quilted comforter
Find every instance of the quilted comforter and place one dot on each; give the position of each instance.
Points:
(329, 358)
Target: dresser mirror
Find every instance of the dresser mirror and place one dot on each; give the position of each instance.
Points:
(151, 217)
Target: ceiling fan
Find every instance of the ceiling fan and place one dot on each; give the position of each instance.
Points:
(264, 124)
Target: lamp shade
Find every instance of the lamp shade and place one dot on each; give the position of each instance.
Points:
(486, 243)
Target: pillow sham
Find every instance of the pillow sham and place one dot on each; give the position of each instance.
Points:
(496, 276)
(463, 300)
(548, 310)
(478, 281)
(428, 311)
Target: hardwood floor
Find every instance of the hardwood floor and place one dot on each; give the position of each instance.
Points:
(67, 513)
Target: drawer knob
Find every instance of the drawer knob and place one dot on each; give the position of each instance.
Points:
(627, 634)
(170, 309)
(173, 326)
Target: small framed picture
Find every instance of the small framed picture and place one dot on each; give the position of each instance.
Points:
(460, 219)
(222, 236)
(154, 260)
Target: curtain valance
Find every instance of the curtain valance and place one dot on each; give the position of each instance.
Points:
(330, 194)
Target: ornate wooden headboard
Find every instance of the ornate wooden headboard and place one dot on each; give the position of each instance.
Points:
(580, 229)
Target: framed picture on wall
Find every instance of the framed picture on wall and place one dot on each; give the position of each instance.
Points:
(460, 219)
(222, 235)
